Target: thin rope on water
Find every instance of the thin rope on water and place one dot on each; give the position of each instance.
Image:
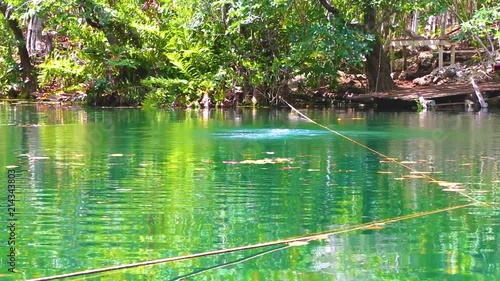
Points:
(263, 253)
(393, 160)
(289, 241)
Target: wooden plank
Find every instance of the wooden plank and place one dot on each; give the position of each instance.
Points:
(421, 42)
(452, 91)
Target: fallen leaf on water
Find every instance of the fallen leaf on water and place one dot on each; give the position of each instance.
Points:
(283, 160)
(11, 166)
(436, 181)
(267, 161)
(116, 155)
(313, 170)
(385, 172)
(454, 189)
(448, 184)
(259, 162)
(412, 177)
(297, 243)
(495, 181)
(270, 152)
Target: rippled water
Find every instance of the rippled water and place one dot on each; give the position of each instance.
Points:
(103, 187)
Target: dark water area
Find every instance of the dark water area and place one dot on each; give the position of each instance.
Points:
(104, 187)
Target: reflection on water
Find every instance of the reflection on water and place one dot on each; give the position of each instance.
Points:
(102, 187)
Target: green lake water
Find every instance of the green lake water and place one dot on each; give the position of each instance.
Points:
(104, 187)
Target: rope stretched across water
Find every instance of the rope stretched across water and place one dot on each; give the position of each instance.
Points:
(289, 241)
(393, 160)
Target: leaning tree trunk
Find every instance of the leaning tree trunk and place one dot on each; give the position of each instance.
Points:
(28, 70)
(378, 69)
(34, 34)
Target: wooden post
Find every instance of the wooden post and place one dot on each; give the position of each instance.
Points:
(414, 22)
(452, 59)
(391, 56)
(480, 98)
(404, 58)
(440, 56)
(443, 25)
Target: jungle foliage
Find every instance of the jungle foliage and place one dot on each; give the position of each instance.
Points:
(189, 52)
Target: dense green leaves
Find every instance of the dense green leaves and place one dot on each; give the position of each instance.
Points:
(187, 50)
(486, 21)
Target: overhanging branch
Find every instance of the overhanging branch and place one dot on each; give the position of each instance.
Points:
(329, 7)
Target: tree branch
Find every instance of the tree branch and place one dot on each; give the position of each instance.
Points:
(329, 7)
(26, 66)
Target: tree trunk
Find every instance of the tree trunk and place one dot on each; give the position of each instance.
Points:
(34, 35)
(378, 69)
(28, 70)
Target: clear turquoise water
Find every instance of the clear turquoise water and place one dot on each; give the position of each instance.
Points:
(104, 187)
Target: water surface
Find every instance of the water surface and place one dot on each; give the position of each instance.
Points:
(104, 187)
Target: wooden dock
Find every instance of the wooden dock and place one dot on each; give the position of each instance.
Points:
(443, 95)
